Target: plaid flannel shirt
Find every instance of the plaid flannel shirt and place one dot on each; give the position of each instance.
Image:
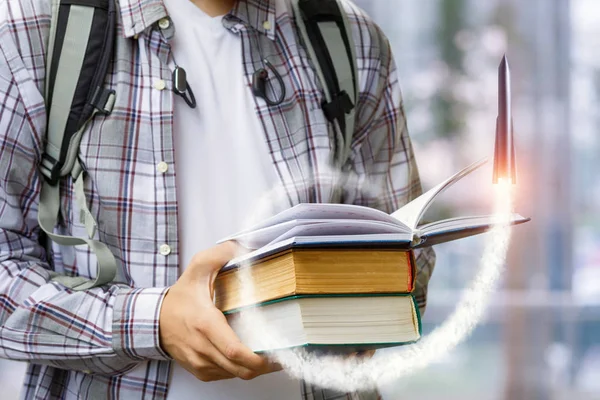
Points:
(104, 342)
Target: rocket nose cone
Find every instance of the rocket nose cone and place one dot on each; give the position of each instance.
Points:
(503, 64)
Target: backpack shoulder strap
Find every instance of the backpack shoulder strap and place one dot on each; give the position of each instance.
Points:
(79, 52)
(324, 28)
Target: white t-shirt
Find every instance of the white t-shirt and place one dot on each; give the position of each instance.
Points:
(223, 169)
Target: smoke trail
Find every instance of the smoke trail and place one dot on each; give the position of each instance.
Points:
(338, 373)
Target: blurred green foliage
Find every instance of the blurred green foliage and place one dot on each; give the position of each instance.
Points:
(449, 113)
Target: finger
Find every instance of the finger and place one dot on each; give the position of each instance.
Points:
(205, 265)
(366, 353)
(207, 350)
(275, 367)
(272, 366)
(233, 368)
(205, 370)
(362, 354)
(229, 345)
(217, 373)
(218, 255)
(215, 378)
(212, 376)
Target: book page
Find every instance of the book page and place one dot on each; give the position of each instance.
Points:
(304, 227)
(341, 228)
(458, 228)
(260, 237)
(412, 212)
(323, 211)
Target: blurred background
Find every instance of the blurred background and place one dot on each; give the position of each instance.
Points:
(540, 339)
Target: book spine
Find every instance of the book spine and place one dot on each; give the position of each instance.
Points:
(412, 274)
(417, 315)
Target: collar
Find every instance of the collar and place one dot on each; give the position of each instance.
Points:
(257, 14)
(138, 15)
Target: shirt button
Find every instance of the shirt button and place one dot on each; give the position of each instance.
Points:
(165, 249)
(160, 84)
(162, 167)
(267, 25)
(164, 23)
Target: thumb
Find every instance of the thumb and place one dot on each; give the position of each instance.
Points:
(207, 263)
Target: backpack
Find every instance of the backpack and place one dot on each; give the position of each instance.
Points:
(82, 35)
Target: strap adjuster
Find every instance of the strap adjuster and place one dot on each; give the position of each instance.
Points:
(338, 107)
(103, 100)
(50, 169)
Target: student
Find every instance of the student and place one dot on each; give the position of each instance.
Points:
(165, 181)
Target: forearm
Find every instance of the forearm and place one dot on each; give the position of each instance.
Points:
(104, 330)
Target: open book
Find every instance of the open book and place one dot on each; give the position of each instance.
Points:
(342, 224)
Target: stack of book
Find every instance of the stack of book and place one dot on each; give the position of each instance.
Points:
(331, 276)
(328, 297)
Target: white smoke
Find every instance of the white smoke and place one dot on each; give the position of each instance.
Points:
(358, 374)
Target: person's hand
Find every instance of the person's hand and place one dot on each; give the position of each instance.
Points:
(363, 354)
(196, 334)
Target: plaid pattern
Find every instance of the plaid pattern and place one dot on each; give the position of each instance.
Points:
(310, 392)
(104, 342)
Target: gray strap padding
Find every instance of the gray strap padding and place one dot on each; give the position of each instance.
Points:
(353, 93)
(345, 69)
(47, 218)
(53, 24)
(73, 51)
(72, 55)
(86, 217)
(339, 136)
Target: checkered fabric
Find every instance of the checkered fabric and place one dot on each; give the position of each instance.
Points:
(104, 342)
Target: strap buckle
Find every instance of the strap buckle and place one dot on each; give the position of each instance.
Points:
(103, 100)
(50, 169)
(340, 105)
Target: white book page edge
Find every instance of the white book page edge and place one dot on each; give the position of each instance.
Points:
(324, 211)
(411, 213)
(341, 228)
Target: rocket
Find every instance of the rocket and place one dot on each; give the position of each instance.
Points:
(504, 152)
